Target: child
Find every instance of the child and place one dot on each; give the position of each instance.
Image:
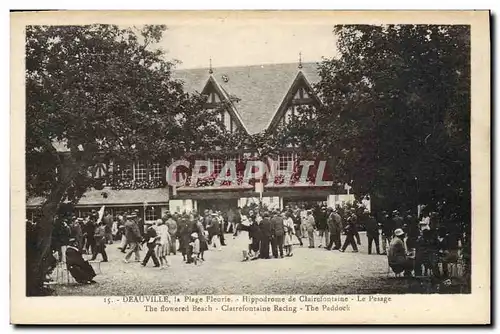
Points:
(195, 248)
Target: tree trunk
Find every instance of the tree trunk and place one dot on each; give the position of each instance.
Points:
(38, 259)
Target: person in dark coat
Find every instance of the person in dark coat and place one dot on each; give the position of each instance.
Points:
(397, 221)
(214, 231)
(202, 237)
(334, 223)
(277, 235)
(100, 242)
(256, 235)
(372, 233)
(60, 236)
(133, 237)
(265, 232)
(184, 236)
(387, 230)
(297, 227)
(237, 222)
(77, 233)
(88, 232)
(321, 225)
(108, 224)
(411, 230)
(140, 223)
(350, 230)
(151, 240)
(80, 269)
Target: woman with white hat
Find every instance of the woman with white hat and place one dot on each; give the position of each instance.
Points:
(398, 261)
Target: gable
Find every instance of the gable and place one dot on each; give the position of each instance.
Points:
(256, 91)
(215, 95)
(299, 94)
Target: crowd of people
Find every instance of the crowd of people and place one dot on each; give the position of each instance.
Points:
(413, 246)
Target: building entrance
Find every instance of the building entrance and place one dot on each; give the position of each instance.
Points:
(217, 205)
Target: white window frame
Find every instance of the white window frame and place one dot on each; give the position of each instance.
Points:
(285, 158)
(137, 170)
(148, 215)
(156, 172)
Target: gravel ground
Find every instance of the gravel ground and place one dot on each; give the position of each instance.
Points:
(309, 271)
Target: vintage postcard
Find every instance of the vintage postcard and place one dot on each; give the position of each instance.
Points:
(250, 167)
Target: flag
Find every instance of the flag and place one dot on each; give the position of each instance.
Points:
(101, 214)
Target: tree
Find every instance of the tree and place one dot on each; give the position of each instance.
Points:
(396, 115)
(99, 92)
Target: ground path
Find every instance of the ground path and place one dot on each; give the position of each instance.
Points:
(309, 271)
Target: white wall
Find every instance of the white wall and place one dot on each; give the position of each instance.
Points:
(333, 200)
(273, 201)
(181, 205)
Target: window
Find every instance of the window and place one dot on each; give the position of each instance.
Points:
(125, 172)
(284, 160)
(156, 171)
(140, 171)
(227, 121)
(217, 165)
(151, 213)
(289, 114)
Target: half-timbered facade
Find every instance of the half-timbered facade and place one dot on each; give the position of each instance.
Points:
(258, 98)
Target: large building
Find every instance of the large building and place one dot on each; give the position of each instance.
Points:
(260, 98)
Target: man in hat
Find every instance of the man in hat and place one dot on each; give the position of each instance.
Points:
(411, 230)
(277, 234)
(214, 231)
(76, 232)
(151, 240)
(397, 220)
(80, 269)
(398, 261)
(139, 222)
(265, 232)
(350, 231)
(108, 223)
(322, 226)
(100, 242)
(310, 225)
(387, 230)
(133, 236)
(372, 233)
(334, 223)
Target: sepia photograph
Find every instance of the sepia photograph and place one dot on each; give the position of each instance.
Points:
(226, 157)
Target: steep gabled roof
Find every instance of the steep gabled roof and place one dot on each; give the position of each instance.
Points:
(300, 81)
(260, 89)
(224, 95)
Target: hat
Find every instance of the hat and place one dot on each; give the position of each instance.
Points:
(130, 216)
(159, 221)
(395, 211)
(72, 240)
(136, 210)
(398, 232)
(79, 219)
(194, 235)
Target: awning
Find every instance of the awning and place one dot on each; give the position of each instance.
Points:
(124, 197)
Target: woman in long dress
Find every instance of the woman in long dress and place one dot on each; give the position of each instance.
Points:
(289, 232)
(245, 236)
(164, 243)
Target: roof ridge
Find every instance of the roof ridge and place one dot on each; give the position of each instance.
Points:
(244, 66)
